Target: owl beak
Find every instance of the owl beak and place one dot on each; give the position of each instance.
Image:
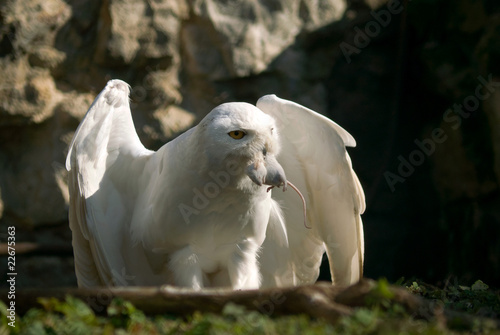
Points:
(267, 172)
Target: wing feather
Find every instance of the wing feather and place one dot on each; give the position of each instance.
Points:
(315, 159)
(99, 214)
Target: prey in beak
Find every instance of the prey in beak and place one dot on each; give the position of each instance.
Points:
(269, 172)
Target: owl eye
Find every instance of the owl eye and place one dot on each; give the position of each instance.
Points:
(237, 134)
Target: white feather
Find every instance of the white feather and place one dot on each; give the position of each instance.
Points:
(195, 213)
(315, 160)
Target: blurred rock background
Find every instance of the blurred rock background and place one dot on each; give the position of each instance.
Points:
(388, 72)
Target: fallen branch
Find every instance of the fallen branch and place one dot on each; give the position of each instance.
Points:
(321, 300)
(312, 299)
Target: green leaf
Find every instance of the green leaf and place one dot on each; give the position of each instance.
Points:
(365, 316)
(383, 289)
(479, 286)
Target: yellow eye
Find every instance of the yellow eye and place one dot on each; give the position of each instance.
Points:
(237, 134)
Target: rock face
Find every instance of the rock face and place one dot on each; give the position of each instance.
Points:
(342, 58)
(57, 56)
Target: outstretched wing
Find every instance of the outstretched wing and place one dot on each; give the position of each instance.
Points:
(315, 159)
(100, 193)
